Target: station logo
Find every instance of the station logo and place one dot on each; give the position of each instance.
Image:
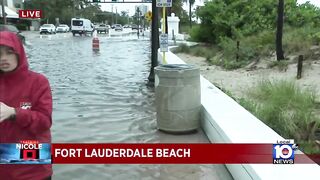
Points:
(283, 152)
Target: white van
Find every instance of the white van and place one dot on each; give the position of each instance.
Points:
(81, 26)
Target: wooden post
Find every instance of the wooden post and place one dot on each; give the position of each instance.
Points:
(238, 48)
(299, 72)
(173, 37)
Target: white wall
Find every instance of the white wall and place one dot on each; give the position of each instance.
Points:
(225, 121)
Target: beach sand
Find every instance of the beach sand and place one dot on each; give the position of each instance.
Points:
(239, 81)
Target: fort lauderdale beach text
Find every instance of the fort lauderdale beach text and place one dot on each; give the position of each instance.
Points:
(121, 153)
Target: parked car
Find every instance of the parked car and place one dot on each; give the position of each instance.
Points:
(14, 29)
(118, 27)
(134, 27)
(62, 28)
(48, 28)
(102, 28)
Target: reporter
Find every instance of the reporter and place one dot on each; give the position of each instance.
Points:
(25, 106)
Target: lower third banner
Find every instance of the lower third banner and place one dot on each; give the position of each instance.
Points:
(33, 152)
(176, 154)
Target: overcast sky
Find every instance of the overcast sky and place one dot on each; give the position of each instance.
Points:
(315, 2)
(131, 6)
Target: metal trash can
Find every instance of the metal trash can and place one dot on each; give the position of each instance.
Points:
(178, 97)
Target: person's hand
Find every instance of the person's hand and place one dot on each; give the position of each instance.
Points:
(5, 112)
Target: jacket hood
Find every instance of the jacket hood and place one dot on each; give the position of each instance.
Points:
(11, 40)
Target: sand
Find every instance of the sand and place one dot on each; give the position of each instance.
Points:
(239, 81)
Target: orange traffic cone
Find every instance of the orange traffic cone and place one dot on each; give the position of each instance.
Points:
(95, 44)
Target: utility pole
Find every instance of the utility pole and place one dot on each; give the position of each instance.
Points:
(138, 21)
(112, 14)
(73, 11)
(4, 15)
(154, 43)
(128, 15)
(116, 15)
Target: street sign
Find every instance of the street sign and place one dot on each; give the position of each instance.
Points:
(163, 42)
(164, 3)
(148, 16)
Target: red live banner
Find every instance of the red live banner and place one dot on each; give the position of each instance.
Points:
(28, 13)
(166, 154)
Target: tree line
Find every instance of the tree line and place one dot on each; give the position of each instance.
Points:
(227, 22)
(67, 9)
(246, 17)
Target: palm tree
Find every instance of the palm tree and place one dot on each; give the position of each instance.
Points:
(191, 3)
(279, 50)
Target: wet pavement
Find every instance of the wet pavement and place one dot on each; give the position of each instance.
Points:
(103, 98)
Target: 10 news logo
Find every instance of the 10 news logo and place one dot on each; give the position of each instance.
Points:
(283, 152)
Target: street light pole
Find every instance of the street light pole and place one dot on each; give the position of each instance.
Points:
(112, 14)
(116, 15)
(4, 15)
(128, 16)
(154, 43)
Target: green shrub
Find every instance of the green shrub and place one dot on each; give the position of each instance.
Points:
(22, 27)
(230, 52)
(282, 65)
(316, 38)
(203, 51)
(263, 42)
(182, 48)
(247, 104)
(286, 109)
(298, 40)
(199, 34)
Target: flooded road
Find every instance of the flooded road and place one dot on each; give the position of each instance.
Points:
(103, 98)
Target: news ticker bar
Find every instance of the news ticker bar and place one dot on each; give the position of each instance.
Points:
(157, 154)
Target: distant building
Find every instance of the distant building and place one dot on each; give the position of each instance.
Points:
(14, 4)
(10, 9)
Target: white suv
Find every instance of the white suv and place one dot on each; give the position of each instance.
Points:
(48, 28)
(62, 28)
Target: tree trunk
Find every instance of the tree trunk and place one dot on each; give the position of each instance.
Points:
(190, 20)
(279, 50)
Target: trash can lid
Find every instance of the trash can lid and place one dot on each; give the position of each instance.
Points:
(175, 67)
(177, 71)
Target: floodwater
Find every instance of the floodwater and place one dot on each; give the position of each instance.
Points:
(103, 98)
